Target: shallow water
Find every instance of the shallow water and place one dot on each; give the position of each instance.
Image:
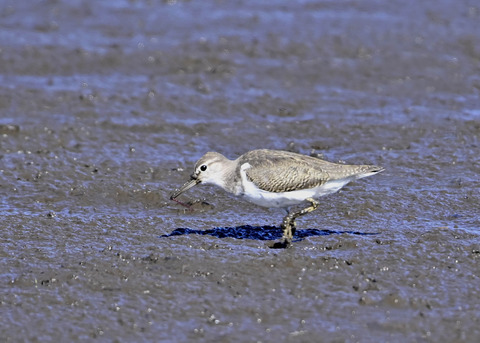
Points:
(106, 106)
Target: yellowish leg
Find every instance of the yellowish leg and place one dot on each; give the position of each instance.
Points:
(289, 225)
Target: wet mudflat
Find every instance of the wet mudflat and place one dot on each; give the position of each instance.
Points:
(106, 106)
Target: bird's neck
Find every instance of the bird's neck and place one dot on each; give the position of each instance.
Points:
(227, 177)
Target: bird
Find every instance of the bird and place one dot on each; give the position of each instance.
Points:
(276, 178)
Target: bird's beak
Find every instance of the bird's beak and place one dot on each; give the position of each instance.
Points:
(189, 184)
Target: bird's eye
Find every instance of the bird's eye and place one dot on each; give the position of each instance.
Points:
(203, 167)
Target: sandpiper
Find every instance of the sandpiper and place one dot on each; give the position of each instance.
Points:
(274, 178)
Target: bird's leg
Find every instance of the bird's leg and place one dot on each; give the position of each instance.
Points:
(289, 225)
(313, 206)
(294, 227)
(288, 229)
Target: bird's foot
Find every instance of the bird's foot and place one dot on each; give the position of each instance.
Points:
(288, 227)
(283, 244)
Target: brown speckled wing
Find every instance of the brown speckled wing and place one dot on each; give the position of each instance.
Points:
(282, 171)
(276, 172)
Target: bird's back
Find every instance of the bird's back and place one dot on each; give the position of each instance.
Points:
(283, 171)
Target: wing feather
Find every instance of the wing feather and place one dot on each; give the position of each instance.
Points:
(280, 172)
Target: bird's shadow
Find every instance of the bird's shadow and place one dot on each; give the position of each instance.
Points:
(262, 233)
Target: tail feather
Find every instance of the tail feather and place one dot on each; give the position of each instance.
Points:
(369, 171)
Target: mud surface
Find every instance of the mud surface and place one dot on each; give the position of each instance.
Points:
(106, 105)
